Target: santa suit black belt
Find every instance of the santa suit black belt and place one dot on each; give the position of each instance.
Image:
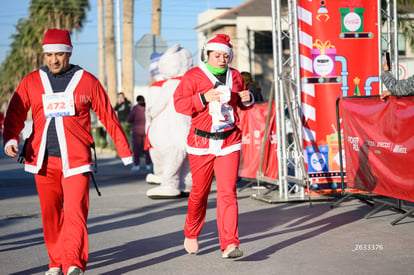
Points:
(216, 135)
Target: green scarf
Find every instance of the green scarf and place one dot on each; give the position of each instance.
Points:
(214, 70)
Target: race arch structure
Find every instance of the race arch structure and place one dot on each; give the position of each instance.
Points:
(334, 51)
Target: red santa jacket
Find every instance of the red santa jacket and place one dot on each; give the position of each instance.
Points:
(187, 101)
(73, 132)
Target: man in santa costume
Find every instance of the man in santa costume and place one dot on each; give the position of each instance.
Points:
(58, 151)
(212, 94)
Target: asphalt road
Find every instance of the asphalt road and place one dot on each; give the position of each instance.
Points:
(132, 234)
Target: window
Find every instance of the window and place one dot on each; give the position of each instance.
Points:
(263, 42)
(401, 43)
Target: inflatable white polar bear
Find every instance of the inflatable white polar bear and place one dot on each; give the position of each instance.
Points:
(168, 129)
(153, 95)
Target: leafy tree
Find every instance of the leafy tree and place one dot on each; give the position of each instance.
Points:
(26, 51)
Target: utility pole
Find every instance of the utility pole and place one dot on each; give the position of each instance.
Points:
(118, 47)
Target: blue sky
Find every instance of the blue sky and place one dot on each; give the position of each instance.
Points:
(178, 19)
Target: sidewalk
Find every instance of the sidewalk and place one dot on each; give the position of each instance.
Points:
(131, 234)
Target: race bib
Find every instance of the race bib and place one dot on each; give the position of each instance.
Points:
(227, 119)
(58, 105)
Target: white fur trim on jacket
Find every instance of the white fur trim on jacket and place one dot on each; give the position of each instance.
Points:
(67, 172)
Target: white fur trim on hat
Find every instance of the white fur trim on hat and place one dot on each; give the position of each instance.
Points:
(57, 48)
(218, 47)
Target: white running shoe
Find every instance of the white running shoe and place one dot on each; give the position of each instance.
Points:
(74, 270)
(191, 245)
(54, 271)
(232, 251)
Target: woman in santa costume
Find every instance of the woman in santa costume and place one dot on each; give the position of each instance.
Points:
(211, 94)
(58, 151)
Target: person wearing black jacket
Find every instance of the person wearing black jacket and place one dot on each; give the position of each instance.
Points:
(122, 108)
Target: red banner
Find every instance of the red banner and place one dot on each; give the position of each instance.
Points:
(252, 124)
(338, 57)
(379, 145)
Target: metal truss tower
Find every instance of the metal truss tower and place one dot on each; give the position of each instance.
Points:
(388, 18)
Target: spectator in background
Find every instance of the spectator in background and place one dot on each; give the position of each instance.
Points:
(137, 119)
(253, 86)
(396, 87)
(122, 108)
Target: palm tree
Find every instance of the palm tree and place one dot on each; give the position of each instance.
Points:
(26, 51)
(156, 17)
(101, 44)
(128, 62)
(64, 14)
(110, 51)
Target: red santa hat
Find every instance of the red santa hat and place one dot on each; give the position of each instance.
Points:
(220, 42)
(56, 40)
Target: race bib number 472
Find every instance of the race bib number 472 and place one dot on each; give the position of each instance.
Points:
(59, 104)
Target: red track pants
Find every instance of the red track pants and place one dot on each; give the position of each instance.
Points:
(64, 203)
(226, 170)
